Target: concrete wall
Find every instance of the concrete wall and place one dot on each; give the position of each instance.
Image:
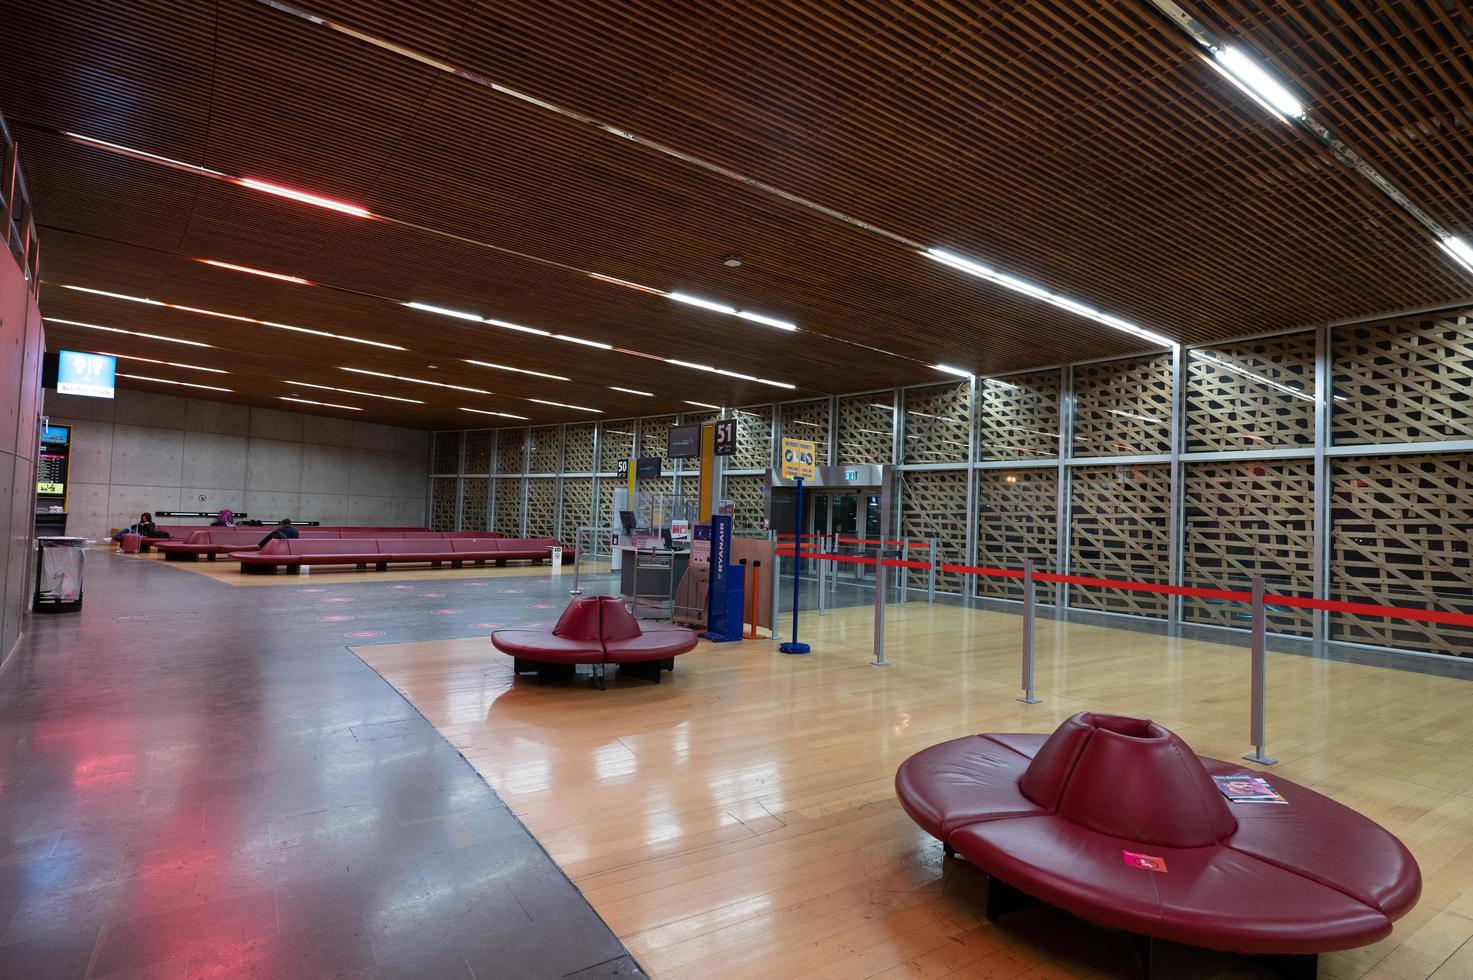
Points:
(21, 345)
(148, 451)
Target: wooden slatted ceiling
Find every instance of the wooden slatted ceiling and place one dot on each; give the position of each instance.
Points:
(1083, 144)
(1393, 79)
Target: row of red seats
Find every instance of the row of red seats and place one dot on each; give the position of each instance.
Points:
(212, 541)
(382, 552)
(180, 532)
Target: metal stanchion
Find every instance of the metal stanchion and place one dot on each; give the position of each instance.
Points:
(931, 574)
(1028, 696)
(1260, 665)
(834, 576)
(577, 589)
(822, 574)
(904, 572)
(777, 591)
(886, 479)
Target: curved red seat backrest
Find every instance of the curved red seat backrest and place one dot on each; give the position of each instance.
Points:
(617, 622)
(580, 621)
(327, 546)
(1128, 778)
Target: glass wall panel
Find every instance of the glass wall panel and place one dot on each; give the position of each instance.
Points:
(937, 423)
(1017, 519)
(1019, 416)
(1123, 408)
(865, 422)
(1407, 380)
(1256, 394)
(1121, 530)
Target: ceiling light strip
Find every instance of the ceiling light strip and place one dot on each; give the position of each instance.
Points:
(131, 333)
(154, 360)
(352, 391)
(632, 391)
(504, 415)
(280, 276)
(418, 381)
(515, 370)
(308, 401)
(1266, 89)
(576, 408)
(181, 384)
(974, 268)
(233, 316)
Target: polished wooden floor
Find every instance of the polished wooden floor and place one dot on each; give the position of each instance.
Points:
(740, 821)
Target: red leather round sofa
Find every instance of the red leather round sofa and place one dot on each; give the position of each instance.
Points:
(1116, 820)
(595, 630)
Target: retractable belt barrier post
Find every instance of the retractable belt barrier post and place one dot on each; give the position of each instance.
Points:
(1260, 665)
(1028, 696)
(934, 545)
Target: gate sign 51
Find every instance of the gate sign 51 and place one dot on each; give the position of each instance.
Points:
(798, 459)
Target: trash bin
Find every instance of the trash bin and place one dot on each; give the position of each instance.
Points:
(59, 574)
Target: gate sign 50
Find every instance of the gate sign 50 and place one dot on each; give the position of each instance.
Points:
(798, 459)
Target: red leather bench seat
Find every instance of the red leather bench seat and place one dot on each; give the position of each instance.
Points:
(1055, 818)
(596, 630)
(429, 546)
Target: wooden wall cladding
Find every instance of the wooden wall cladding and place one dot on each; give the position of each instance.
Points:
(1258, 394)
(749, 503)
(445, 452)
(807, 420)
(933, 503)
(1123, 408)
(510, 450)
(654, 439)
(754, 438)
(577, 507)
(541, 507)
(615, 443)
(661, 484)
(578, 447)
(936, 423)
(508, 507)
(1408, 380)
(546, 448)
(475, 496)
(1400, 532)
(1120, 530)
(1245, 519)
(1019, 416)
(865, 423)
(1017, 519)
(479, 447)
(442, 503)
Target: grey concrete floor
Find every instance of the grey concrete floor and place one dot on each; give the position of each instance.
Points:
(203, 781)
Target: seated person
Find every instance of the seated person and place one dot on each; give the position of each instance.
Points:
(145, 527)
(226, 518)
(284, 532)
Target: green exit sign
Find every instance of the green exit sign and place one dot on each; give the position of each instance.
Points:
(851, 475)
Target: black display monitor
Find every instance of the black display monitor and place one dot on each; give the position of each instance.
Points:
(626, 518)
(684, 442)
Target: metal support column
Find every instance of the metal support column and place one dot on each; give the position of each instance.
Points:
(1064, 535)
(1177, 514)
(1320, 527)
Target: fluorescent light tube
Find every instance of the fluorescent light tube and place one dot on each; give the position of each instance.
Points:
(504, 415)
(308, 401)
(516, 370)
(283, 277)
(704, 304)
(166, 381)
(1252, 78)
(518, 327)
(445, 311)
(948, 369)
(704, 405)
(131, 333)
(632, 391)
(767, 320)
(576, 408)
(418, 381)
(103, 292)
(316, 200)
(586, 343)
(1460, 250)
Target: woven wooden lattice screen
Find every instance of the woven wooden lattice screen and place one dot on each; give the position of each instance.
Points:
(475, 493)
(865, 428)
(1017, 519)
(1258, 394)
(1019, 416)
(1120, 531)
(1123, 408)
(936, 423)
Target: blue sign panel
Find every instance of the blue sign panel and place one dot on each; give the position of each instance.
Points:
(92, 375)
